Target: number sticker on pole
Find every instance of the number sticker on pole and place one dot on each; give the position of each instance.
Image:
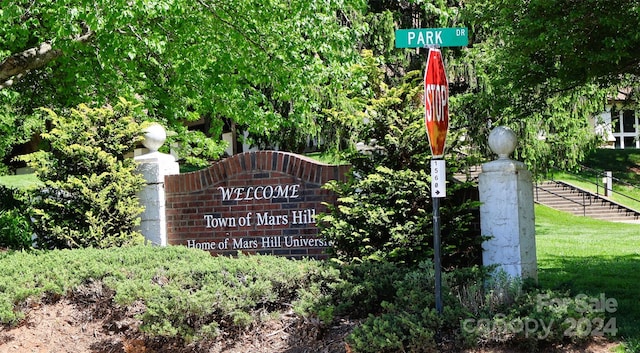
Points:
(438, 178)
(436, 102)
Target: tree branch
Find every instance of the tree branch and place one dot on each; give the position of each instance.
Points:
(19, 64)
(232, 26)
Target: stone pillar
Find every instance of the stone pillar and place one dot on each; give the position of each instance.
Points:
(506, 210)
(154, 166)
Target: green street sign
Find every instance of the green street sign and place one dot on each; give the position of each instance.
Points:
(425, 37)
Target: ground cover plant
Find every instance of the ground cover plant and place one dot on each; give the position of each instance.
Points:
(186, 293)
(186, 296)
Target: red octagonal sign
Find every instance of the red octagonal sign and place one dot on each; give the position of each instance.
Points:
(436, 102)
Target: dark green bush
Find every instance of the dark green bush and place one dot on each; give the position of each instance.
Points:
(15, 226)
(15, 229)
(384, 210)
(189, 295)
(363, 287)
(478, 310)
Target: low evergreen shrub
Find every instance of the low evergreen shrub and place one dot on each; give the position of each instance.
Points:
(189, 295)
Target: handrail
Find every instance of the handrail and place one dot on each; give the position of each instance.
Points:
(583, 204)
(599, 174)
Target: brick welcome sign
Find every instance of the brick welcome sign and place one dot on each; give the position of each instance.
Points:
(256, 202)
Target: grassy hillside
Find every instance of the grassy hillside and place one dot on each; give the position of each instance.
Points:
(22, 181)
(625, 164)
(625, 168)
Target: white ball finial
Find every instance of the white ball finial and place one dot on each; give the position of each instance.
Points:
(502, 141)
(154, 137)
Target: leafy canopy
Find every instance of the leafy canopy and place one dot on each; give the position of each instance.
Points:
(263, 65)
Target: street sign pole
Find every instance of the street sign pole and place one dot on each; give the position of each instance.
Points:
(436, 99)
(438, 182)
(436, 254)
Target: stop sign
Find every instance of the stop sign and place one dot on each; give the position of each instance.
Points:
(436, 102)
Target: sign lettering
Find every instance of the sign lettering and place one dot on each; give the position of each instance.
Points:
(438, 99)
(425, 37)
(436, 102)
(267, 192)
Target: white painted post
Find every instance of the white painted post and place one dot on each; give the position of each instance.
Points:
(506, 210)
(154, 166)
(608, 184)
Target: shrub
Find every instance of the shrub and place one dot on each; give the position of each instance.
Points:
(186, 293)
(15, 229)
(15, 226)
(478, 310)
(384, 210)
(189, 295)
(90, 189)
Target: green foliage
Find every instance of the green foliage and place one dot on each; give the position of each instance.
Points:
(90, 188)
(530, 68)
(15, 128)
(384, 211)
(525, 32)
(408, 321)
(396, 332)
(186, 293)
(478, 309)
(15, 227)
(189, 295)
(623, 163)
(288, 71)
(268, 66)
(541, 317)
(364, 286)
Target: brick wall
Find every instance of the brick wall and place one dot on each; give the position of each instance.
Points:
(255, 202)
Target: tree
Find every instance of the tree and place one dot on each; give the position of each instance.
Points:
(564, 44)
(543, 68)
(264, 65)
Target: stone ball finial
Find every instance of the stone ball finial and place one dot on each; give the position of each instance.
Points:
(502, 141)
(154, 137)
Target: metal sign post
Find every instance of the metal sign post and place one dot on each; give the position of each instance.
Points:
(438, 190)
(436, 117)
(436, 102)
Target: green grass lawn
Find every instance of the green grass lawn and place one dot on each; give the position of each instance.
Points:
(583, 255)
(22, 181)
